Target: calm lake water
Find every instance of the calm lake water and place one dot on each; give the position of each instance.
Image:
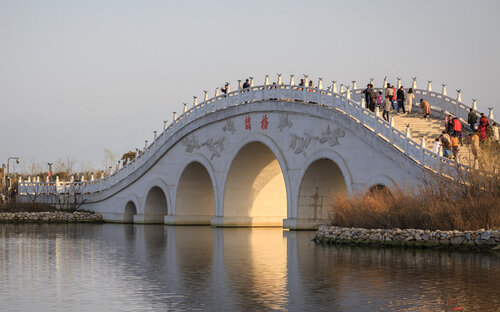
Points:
(113, 267)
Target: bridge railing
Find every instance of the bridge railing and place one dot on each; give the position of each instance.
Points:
(439, 102)
(341, 103)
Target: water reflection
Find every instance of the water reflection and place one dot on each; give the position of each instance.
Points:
(133, 267)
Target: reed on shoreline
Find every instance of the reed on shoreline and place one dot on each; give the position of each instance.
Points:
(471, 201)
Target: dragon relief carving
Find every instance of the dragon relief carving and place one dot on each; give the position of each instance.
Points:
(229, 126)
(284, 122)
(215, 147)
(300, 143)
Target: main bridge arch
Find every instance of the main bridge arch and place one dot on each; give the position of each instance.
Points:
(256, 187)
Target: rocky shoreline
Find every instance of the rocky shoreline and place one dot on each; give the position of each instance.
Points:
(411, 238)
(50, 217)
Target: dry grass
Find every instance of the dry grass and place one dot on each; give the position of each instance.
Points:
(470, 202)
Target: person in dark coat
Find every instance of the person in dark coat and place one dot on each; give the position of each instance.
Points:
(401, 99)
(472, 119)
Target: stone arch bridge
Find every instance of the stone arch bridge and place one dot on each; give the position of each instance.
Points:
(268, 155)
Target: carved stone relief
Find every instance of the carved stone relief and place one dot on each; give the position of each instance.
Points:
(229, 126)
(300, 143)
(214, 146)
(284, 122)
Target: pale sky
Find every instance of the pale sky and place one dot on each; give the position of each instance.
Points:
(77, 77)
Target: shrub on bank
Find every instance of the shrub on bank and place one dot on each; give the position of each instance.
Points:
(469, 202)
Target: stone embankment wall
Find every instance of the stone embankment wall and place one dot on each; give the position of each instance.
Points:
(480, 239)
(51, 217)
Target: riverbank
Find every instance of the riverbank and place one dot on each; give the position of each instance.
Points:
(411, 238)
(50, 217)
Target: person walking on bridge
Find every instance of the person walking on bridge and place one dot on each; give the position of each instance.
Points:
(387, 108)
(409, 100)
(457, 129)
(373, 98)
(472, 119)
(401, 99)
(389, 91)
(426, 108)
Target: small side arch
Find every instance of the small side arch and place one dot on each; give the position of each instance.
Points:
(129, 212)
(156, 202)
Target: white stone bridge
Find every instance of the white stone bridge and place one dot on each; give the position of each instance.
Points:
(269, 155)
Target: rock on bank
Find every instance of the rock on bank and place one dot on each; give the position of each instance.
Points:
(480, 239)
(51, 217)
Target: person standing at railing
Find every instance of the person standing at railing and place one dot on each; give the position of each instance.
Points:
(387, 108)
(225, 88)
(445, 141)
(389, 91)
(457, 129)
(448, 124)
(426, 108)
(366, 92)
(394, 98)
(496, 135)
(472, 119)
(379, 99)
(454, 146)
(246, 84)
(409, 100)
(372, 98)
(401, 99)
(436, 147)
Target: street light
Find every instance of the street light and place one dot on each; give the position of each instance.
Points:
(50, 170)
(7, 186)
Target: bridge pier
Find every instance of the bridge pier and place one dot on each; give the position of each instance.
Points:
(187, 220)
(247, 221)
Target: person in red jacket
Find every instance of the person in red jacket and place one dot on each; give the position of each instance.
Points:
(457, 129)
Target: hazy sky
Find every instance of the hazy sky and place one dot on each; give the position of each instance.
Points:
(80, 76)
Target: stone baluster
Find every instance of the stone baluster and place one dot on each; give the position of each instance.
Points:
(341, 88)
(216, 94)
(385, 83)
(348, 95)
(228, 87)
(195, 101)
(185, 108)
(422, 150)
(377, 113)
(154, 135)
(164, 125)
(82, 177)
(371, 81)
(205, 96)
(429, 85)
(407, 137)
(459, 96)
(354, 85)
(306, 81)
(37, 179)
(92, 177)
(279, 80)
(72, 179)
(334, 86)
(266, 80)
(47, 179)
(399, 83)
(57, 180)
(292, 80)
(363, 102)
(251, 81)
(239, 85)
(320, 83)
(414, 83)
(174, 117)
(29, 179)
(444, 92)
(490, 115)
(474, 104)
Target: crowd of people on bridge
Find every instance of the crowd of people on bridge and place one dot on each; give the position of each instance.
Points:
(482, 135)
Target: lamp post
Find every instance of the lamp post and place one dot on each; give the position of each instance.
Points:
(50, 170)
(7, 185)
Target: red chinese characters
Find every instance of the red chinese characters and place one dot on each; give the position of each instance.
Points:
(248, 124)
(264, 123)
